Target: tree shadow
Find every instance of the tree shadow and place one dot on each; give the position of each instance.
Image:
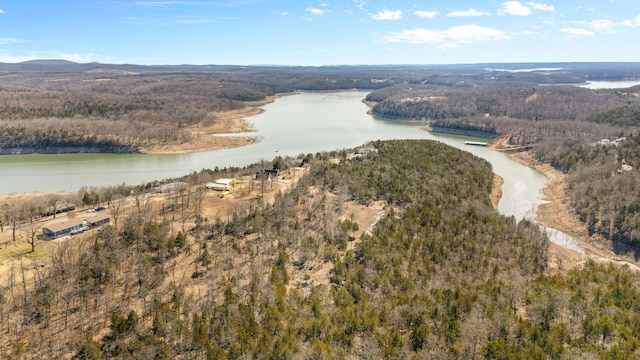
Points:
(624, 246)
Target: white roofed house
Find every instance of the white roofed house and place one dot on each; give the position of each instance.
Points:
(221, 185)
(171, 188)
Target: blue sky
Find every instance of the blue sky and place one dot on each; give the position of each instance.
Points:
(325, 32)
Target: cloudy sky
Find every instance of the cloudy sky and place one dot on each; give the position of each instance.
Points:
(325, 32)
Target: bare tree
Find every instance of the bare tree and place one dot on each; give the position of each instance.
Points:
(54, 202)
(32, 229)
(108, 194)
(13, 216)
(117, 206)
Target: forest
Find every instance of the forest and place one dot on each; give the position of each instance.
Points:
(441, 275)
(590, 135)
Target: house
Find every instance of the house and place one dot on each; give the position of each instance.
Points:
(221, 185)
(171, 188)
(97, 219)
(365, 149)
(63, 228)
(74, 226)
(268, 174)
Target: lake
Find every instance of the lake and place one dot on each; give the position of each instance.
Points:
(297, 124)
(622, 84)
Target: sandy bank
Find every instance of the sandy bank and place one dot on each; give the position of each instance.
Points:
(556, 214)
(227, 122)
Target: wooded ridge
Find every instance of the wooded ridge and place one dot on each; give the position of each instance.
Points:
(440, 275)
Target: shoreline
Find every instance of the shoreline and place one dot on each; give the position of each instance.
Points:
(555, 214)
(227, 122)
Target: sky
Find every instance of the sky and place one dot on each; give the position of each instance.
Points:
(319, 32)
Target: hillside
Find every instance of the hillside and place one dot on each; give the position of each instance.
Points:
(437, 273)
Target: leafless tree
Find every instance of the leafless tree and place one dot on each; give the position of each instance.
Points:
(54, 204)
(117, 206)
(32, 229)
(13, 216)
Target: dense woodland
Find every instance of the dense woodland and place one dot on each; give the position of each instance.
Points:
(562, 125)
(442, 275)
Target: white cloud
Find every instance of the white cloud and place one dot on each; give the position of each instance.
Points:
(597, 25)
(80, 58)
(416, 36)
(360, 4)
(2, 11)
(528, 33)
(448, 38)
(514, 8)
(602, 25)
(316, 11)
(7, 41)
(284, 13)
(426, 14)
(6, 58)
(634, 22)
(542, 7)
(576, 32)
(387, 15)
(465, 33)
(162, 3)
(580, 8)
(191, 20)
(470, 12)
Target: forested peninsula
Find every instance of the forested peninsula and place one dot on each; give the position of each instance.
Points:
(591, 136)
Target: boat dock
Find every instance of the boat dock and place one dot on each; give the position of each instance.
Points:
(476, 143)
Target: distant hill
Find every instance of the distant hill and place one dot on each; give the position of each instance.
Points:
(591, 70)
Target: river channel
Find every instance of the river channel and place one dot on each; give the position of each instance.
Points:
(292, 125)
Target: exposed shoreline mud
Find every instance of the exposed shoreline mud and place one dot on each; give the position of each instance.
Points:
(555, 214)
